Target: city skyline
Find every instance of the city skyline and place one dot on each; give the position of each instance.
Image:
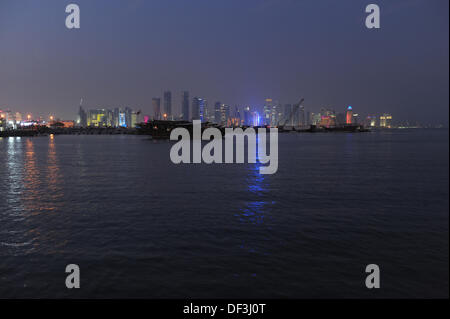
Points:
(273, 114)
(281, 49)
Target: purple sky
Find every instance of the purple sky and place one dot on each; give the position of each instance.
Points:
(234, 51)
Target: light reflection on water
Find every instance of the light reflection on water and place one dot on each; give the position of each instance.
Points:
(255, 211)
(13, 234)
(32, 193)
(54, 176)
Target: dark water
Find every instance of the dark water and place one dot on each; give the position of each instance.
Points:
(140, 226)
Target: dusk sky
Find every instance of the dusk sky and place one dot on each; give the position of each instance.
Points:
(234, 51)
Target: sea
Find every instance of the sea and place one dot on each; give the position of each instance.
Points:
(139, 226)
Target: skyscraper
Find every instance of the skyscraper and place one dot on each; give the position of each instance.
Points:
(275, 115)
(302, 116)
(286, 114)
(235, 118)
(185, 105)
(349, 117)
(267, 111)
(224, 114)
(156, 103)
(82, 117)
(247, 116)
(386, 120)
(205, 116)
(217, 115)
(198, 108)
(168, 105)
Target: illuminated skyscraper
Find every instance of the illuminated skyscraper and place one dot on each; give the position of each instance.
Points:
(225, 114)
(97, 118)
(274, 118)
(205, 116)
(235, 119)
(168, 105)
(82, 118)
(267, 112)
(370, 121)
(217, 115)
(198, 108)
(247, 116)
(286, 114)
(134, 119)
(156, 103)
(316, 118)
(386, 120)
(349, 117)
(256, 118)
(302, 116)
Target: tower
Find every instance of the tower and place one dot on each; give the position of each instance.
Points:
(168, 105)
(349, 116)
(156, 103)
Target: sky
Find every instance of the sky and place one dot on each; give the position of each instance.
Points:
(239, 52)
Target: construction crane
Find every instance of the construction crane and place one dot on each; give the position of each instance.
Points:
(293, 112)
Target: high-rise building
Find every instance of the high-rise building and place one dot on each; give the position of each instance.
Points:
(256, 118)
(302, 116)
(195, 108)
(97, 118)
(287, 118)
(371, 121)
(81, 119)
(168, 105)
(327, 118)
(355, 118)
(205, 116)
(275, 116)
(128, 112)
(316, 118)
(156, 103)
(134, 119)
(386, 120)
(247, 116)
(217, 114)
(225, 114)
(122, 119)
(198, 108)
(267, 111)
(349, 116)
(185, 106)
(235, 119)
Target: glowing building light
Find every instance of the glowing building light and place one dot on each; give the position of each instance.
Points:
(349, 116)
